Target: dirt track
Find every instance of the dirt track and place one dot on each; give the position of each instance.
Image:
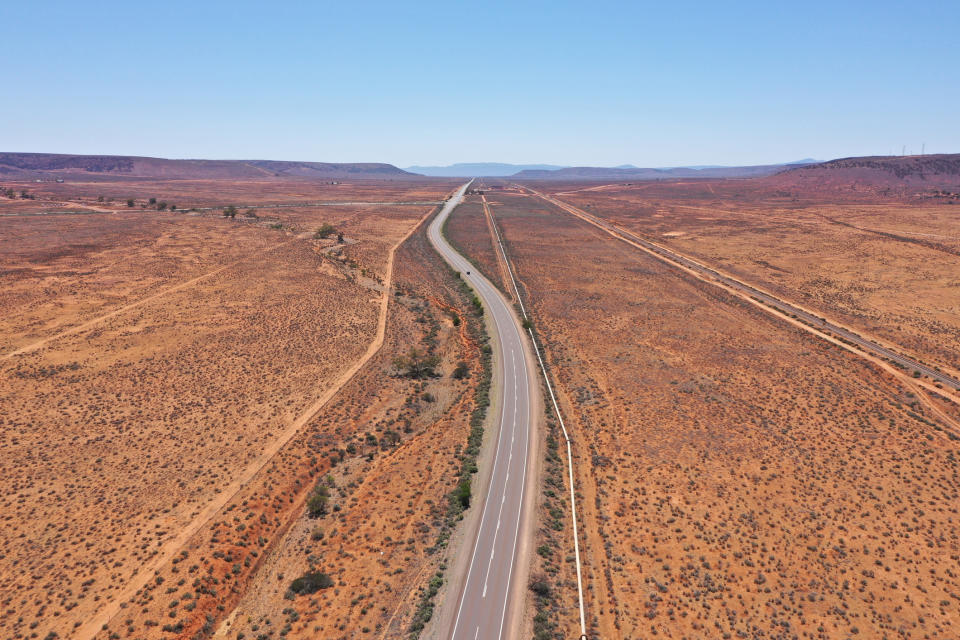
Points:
(791, 312)
(173, 546)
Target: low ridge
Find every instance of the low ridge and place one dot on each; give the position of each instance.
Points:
(40, 164)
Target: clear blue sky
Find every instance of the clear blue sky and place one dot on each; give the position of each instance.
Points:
(596, 83)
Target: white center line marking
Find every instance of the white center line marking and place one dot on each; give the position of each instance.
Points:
(506, 480)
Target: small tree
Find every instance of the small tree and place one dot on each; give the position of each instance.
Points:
(317, 503)
(161, 206)
(311, 583)
(153, 201)
(539, 585)
(416, 365)
(462, 493)
(250, 213)
(130, 202)
(462, 371)
(325, 231)
(230, 212)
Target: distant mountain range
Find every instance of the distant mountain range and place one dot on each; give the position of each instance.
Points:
(623, 171)
(724, 166)
(485, 169)
(635, 173)
(37, 165)
(926, 171)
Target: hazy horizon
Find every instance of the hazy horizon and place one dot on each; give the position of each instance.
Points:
(430, 85)
(455, 163)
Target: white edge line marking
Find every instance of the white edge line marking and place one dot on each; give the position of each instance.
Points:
(556, 408)
(523, 481)
(478, 285)
(438, 236)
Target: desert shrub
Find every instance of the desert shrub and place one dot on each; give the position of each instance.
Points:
(425, 609)
(324, 231)
(311, 583)
(540, 586)
(317, 502)
(461, 371)
(462, 494)
(416, 364)
(230, 212)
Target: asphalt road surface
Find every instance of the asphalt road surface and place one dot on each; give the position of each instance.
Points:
(909, 364)
(482, 606)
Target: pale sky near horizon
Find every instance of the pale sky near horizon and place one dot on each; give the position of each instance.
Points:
(577, 83)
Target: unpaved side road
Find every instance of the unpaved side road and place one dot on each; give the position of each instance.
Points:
(854, 342)
(167, 552)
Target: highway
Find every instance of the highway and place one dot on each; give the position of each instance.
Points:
(483, 606)
(669, 256)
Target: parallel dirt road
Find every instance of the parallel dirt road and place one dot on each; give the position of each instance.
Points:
(706, 272)
(484, 607)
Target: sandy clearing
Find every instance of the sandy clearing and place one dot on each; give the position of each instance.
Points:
(133, 305)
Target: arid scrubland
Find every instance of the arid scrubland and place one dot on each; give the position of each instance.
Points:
(61, 271)
(737, 476)
(113, 193)
(471, 235)
(886, 266)
(165, 472)
(383, 537)
(474, 236)
(154, 364)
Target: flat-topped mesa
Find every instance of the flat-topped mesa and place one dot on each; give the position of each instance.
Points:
(40, 165)
(917, 171)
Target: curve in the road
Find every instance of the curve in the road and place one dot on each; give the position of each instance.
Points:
(483, 605)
